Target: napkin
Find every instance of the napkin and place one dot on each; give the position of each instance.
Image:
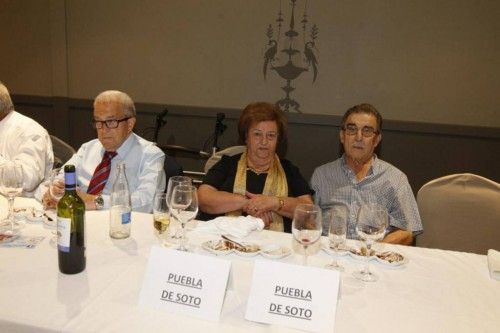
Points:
(236, 226)
(494, 264)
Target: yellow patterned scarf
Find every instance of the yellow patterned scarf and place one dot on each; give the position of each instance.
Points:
(275, 185)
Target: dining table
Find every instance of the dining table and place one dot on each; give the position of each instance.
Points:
(433, 291)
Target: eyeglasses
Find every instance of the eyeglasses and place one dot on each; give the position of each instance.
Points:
(111, 123)
(366, 131)
(259, 135)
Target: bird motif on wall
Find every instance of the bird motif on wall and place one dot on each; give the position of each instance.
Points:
(311, 58)
(270, 54)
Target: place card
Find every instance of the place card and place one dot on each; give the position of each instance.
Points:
(295, 296)
(185, 283)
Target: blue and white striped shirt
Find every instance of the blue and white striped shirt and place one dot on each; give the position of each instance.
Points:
(384, 184)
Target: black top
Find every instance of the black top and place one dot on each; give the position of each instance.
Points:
(222, 175)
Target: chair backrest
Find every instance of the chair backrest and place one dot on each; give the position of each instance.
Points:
(460, 212)
(62, 151)
(172, 168)
(230, 151)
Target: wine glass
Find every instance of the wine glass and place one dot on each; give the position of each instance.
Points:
(184, 207)
(56, 191)
(172, 183)
(338, 215)
(372, 222)
(306, 225)
(11, 185)
(161, 216)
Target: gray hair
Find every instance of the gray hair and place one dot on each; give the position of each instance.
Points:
(115, 96)
(5, 101)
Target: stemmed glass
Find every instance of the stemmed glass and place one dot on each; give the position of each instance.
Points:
(306, 225)
(56, 191)
(161, 214)
(372, 222)
(11, 185)
(172, 183)
(338, 215)
(184, 207)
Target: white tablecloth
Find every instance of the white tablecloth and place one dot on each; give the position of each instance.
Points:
(437, 291)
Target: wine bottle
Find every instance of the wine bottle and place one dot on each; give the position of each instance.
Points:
(120, 206)
(71, 226)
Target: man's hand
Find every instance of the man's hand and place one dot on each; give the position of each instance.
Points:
(88, 199)
(48, 201)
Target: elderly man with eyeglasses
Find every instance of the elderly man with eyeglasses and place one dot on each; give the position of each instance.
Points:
(360, 177)
(96, 160)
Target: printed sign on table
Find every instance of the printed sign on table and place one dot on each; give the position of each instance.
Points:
(185, 283)
(294, 296)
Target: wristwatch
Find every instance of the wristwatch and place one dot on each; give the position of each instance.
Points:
(99, 202)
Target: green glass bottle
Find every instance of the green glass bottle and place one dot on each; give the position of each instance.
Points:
(71, 226)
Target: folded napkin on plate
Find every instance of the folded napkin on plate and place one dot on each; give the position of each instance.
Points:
(494, 264)
(236, 226)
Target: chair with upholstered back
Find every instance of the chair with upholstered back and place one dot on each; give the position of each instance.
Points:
(230, 151)
(62, 151)
(460, 212)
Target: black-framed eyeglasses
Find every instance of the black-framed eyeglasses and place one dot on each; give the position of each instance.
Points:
(366, 131)
(111, 123)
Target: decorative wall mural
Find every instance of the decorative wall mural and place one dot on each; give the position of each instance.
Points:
(290, 62)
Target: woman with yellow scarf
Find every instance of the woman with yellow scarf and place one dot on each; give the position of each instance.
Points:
(256, 182)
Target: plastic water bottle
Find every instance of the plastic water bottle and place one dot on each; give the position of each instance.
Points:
(120, 206)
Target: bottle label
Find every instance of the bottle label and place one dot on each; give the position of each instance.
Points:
(63, 233)
(126, 218)
(70, 181)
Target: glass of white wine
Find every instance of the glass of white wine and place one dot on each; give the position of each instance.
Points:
(11, 185)
(161, 216)
(307, 225)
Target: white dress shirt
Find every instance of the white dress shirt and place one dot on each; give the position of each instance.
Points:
(143, 168)
(25, 142)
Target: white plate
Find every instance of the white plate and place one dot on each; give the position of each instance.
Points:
(35, 215)
(217, 246)
(20, 213)
(253, 250)
(336, 253)
(355, 253)
(393, 258)
(274, 251)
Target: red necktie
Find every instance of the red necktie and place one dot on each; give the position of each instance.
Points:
(101, 173)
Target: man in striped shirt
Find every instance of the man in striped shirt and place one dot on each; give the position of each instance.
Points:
(359, 176)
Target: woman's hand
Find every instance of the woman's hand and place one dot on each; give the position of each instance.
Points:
(259, 204)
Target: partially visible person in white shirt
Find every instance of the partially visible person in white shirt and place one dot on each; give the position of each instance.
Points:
(114, 120)
(24, 142)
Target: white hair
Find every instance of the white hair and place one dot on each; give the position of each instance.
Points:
(115, 96)
(5, 101)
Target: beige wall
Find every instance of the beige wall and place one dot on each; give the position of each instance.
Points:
(425, 61)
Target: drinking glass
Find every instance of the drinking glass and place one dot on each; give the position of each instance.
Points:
(56, 191)
(338, 215)
(172, 183)
(184, 207)
(372, 222)
(11, 185)
(161, 214)
(306, 225)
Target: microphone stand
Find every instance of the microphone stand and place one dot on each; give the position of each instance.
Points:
(159, 123)
(219, 130)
